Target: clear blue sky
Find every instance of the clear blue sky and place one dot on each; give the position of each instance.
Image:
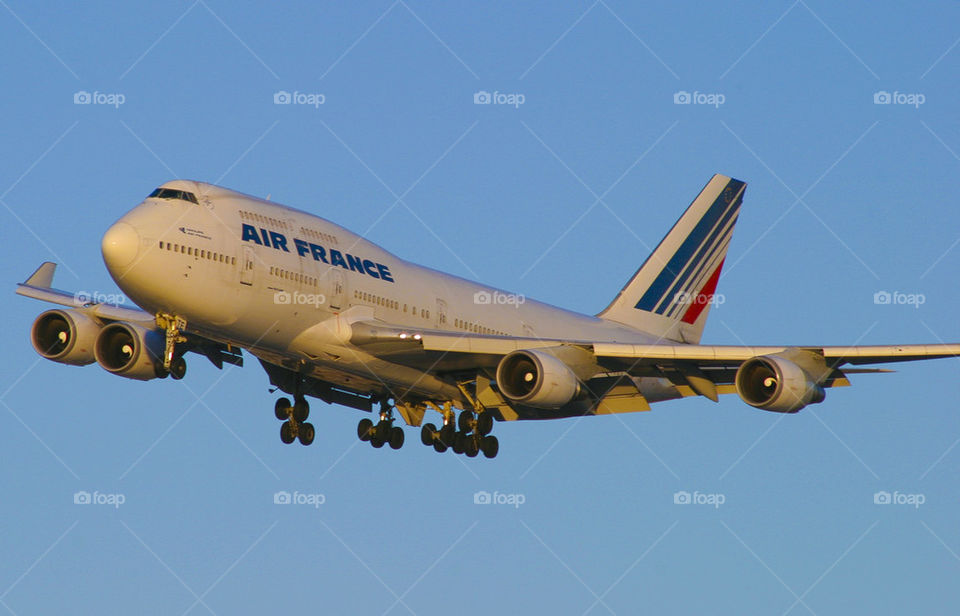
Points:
(559, 199)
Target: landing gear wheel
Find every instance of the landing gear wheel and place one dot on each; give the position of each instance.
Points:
(376, 442)
(470, 447)
(286, 433)
(178, 368)
(301, 410)
(439, 447)
(426, 434)
(490, 446)
(384, 428)
(306, 433)
(464, 421)
(365, 429)
(281, 407)
(396, 437)
(459, 443)
(485, 423)
(448, 434)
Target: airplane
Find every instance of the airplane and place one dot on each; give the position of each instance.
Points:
(331, 315)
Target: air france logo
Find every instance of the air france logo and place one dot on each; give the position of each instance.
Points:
(278, 241)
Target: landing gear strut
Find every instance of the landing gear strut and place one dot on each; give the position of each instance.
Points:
(383, 432)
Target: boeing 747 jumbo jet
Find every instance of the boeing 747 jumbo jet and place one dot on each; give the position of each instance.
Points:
(331, 315)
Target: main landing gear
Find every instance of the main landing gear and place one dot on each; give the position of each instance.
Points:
(472, 437)
(294, 417)
(383, 432)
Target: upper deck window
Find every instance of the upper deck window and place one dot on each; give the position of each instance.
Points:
(169, 193)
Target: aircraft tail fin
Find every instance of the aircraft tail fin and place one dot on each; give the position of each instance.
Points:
(671, 294)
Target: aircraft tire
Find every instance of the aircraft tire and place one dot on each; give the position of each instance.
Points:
(426, 434)
(364, 429)
(306, 433)
(396, 437)
(280, 408)
(286, 433)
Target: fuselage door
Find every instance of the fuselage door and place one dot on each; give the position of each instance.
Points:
(246, 266)
(335, 297)
(441, 313)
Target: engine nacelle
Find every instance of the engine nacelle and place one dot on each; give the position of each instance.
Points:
(536, 378)
(776, 384)
(131, 351)
(65, 336)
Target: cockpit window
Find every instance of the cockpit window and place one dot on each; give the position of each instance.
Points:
(169, 193)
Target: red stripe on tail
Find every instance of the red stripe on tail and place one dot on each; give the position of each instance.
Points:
(702, 299)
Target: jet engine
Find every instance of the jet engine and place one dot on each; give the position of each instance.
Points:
(777, 384)
(65, 336)
(131, 351)
(537, 378)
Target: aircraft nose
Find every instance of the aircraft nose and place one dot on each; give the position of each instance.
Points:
(120, 246)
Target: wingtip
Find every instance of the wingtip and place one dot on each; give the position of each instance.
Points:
(43, 277)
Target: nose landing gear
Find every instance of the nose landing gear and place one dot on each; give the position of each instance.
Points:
(173, 364)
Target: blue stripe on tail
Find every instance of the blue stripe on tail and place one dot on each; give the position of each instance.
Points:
(685, 253)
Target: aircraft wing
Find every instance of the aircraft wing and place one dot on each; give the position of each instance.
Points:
(39, 286)
(486, 350)
(835, 356)
(629, 376)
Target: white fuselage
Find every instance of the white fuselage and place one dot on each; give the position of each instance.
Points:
(285, 284)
